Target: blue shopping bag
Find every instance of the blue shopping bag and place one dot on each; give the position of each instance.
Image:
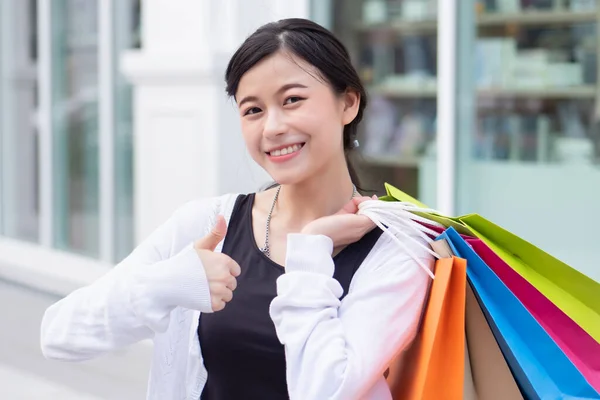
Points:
(539, 366)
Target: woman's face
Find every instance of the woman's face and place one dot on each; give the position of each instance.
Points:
(291, 119)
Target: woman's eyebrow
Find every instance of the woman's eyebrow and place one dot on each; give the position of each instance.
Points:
(282, 89)
(247, 99)
(291, 86)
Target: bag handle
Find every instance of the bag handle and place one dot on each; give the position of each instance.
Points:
(395, 219)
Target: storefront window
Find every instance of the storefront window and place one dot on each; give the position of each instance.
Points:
(527, 110)
(127, 35)
(530, 137)
(394, 46)
(19, 182)
(74, 112)
(66, 149)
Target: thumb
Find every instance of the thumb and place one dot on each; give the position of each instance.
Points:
(214, 237)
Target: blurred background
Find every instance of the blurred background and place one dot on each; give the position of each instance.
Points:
(487, 106)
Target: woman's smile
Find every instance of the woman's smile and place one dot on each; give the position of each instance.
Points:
(285, 153)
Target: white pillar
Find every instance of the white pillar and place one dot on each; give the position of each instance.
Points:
(186, 132)
(446, 106)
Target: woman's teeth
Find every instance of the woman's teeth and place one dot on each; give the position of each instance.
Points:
(286, 150)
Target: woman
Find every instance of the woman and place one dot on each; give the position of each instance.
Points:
(303, 298)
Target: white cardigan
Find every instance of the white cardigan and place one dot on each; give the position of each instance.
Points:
(334, 350)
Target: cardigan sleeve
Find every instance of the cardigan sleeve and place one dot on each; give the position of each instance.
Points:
(340, 349)
(134, 300)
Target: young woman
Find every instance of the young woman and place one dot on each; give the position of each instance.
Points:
(285, 293)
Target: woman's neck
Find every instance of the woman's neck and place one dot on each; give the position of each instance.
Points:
(322, 195)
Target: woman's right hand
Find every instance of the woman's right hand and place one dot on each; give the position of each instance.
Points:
(221, 270)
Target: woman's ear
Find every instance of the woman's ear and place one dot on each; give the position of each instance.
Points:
(351, 105)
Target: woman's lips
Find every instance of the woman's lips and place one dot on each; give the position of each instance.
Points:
(286, 153)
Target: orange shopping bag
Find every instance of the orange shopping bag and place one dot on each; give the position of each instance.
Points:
(433, 368)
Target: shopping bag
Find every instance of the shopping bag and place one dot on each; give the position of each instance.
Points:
(574, 293)
(487, 375)
(433, 367)
(539, 366)
(443, 250)
(468, 384)
(576, 343)
(570, 290)
(491, 375)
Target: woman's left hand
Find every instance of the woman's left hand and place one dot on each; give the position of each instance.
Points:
(343, 227)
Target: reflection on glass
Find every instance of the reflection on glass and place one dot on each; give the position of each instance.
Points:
(75, 125)
(18, 131)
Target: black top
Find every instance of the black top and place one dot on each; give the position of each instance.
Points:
(241, 351)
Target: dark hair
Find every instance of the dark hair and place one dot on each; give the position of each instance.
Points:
(315, 45)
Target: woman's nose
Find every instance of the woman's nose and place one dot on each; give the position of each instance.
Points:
(274, 124)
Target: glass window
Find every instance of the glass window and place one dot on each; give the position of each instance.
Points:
(393, 43)
(19, 181)
(74, 113)
(127, 35)
(76, 148)
(529, 134)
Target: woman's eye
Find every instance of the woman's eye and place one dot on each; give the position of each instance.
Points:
(252, 110)
(292, 99)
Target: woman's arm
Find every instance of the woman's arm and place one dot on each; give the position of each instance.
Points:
(134, 300)
(338, 350)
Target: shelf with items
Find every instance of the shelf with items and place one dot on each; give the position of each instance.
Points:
(400, 27)
(504, 66)
(398, 92)
(561, 64)
(525, 52)
(561, 134)
(537, 86)
(397, 133)
(549, 93)
(405, 16)
(526, 18)
(509, 136)
(535, 18)
(400, 76)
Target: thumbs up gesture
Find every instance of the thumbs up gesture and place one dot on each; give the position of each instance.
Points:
(221, 270)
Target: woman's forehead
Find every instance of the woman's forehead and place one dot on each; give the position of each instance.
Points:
(276, 70)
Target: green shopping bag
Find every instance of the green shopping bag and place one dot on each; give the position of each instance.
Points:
(574, 293)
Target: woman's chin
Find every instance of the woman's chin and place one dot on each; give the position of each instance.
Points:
(291, 177)
(283, 179)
